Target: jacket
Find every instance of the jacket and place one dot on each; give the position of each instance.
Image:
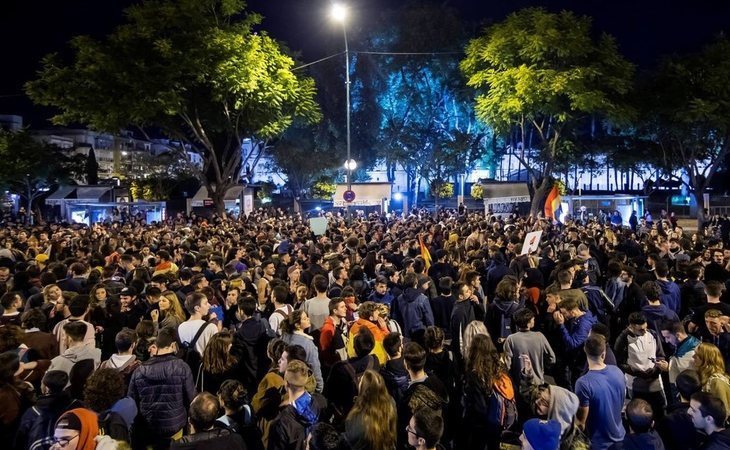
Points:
(396, 378)
(670, 295)
(463, 313)
(38, 422)
(413, 311)
(655, 315)
(676, 428)
(289, 430)
(214, 439)
(719, 440)
(641, 372)
(682, 358)
(331, 339)
(341, 388)
(378, 334)
(249, 347)
(499, 317)
(163, 388)
(640, 441)
(71, 356)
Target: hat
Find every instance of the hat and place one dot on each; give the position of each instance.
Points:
(128, 291)
(283, 247)
(297, 373)
(85, 422)
(542, 434)
(41, 257)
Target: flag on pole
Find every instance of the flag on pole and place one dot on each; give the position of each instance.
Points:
(425, 254)
(552, 203)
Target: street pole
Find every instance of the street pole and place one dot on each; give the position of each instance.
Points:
(347, 94)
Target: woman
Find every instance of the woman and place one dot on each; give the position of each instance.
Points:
(710, 367)
(293, 333)
(170, 313)
(474, 328)
(218, 363)
(301, 294)
(76, 429)
(439, 362)
(485, 376)
(371, 423)
(15, 396)
(146, 334)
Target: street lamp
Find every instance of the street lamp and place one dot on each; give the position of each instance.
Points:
(339, 14)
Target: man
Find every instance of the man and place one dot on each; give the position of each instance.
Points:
(279, 296)
(76, 308)
(381, 293)
(317, 307)
(412, 310)
(638, 352)
(133, 310)
(640, 418)
(671, 295)
(333, 334)
(394, 371)
(698, 324)
(633, 297)
(575, 325)
(76, 349)
(601, 394)
(163, 388)
(676, 428)
(198, 307)
(301, 411)
(425, 429)
(708, 415)
(203, 432)
(715, 332)
(466, 309)
(249, 343)
(12, 303)
(676, 336)
(529, 344)
(655, 311)
(124, 361)
(215, 268)
(692, 292)
(540, 434)
(340, 275)
(715, 271)
(443, 305)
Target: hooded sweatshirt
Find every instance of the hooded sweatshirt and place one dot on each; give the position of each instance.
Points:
(71, 356)
(413, 311)
(499, 317)
(656, 314)
(671, 295)
(562, 407)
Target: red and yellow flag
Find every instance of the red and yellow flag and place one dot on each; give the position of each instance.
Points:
(552, 203)
(425, 254)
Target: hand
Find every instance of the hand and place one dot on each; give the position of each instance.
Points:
(474, 299)
(558, 317)
(663, 365)
(382, 323)
(155, 314)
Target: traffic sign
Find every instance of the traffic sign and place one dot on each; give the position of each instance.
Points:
(348, 196)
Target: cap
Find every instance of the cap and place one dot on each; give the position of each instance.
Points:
(41, 257)
(542, 434)
(128, 291)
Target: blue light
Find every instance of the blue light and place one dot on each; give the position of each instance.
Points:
(318, 208)
(397, 196)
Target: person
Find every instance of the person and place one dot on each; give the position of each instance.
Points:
(218, 363)
(574, 333)
(293, 333)
(540, 435)
(249, 343)
(439, 361)
(324, 436)
(76, 429)
(443, 305)
(204, 435)
(371, 423)
(638, 353)
(655, 311)
(124, 360)
(317, 307)
(485, 376)
(369, 317)
(527, 343)
(133, 310)
(163, 388)
(44, 344)
(601, 393)
(36, 425)
(238, 414)
(425, 429)
(77, 348)
(279, 296)
(77, 308)
(301, 411)
(105, 394)
(394, 371)
(467, 309)
(412, 310)
(710, 366)
(641, 436)
(12, 303)
(675, 428)
(685, 345)
(500, 311)
(381, 293)
(16, 396)
(169, 313)
(268, 396)
(197, 306)
(333, 334)
(709, 415)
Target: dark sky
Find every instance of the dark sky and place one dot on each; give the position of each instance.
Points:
(645, 29)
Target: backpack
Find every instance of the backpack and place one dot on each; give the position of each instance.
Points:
(188, 352)
(497, 408)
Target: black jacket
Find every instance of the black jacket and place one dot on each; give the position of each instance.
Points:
(462, 314)
(38, 422)
(717, 441)
(676, 429)
(163, 388)
(341, 386)
(289, 430)
(215, 439)
(249, 347)
(396, 378)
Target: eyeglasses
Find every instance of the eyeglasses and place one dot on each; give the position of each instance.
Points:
(413, 432)
(64, 441)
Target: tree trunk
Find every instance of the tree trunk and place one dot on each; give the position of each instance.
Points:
(699, 194)
(538, 199)
(415, 195)
(218, 196)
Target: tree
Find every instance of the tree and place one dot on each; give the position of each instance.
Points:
(195, 69)
(31, 168)
(92, 168)
(688, 115)
(545, 72)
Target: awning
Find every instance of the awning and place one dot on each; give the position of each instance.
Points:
(506, 193)
(92, 193)
(61, 193)
(201, 198)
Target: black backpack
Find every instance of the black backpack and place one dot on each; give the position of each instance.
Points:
(188, 352)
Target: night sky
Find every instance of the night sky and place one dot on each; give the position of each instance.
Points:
(645, 29)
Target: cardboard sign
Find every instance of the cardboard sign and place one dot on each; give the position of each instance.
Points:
(318, 225)
(532, 242)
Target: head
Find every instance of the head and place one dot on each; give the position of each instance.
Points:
(337, 308)
(295, 377)
(414, 357)
(707, 412)
(640, 416)
(364, 342)
(688, 382)
(524, 319)
(393, 345)
(203, 412)
(595, 348)
(425, 428)
(217, 358)
(673, 332)
(708, 361)
(104, 388)
(637, 324)
(713, 321)
(197, 304)
(76, 430)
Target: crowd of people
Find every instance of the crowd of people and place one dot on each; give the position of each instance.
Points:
(386, 332)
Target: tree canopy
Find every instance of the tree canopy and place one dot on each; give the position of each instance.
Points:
(196, 70)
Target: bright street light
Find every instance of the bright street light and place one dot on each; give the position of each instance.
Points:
(351, 165)
(339, 12)
(397, 196)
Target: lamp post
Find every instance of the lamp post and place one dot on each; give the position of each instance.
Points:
(339, 14)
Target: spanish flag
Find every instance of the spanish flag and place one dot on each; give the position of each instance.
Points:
(425, 254)
(552, 203)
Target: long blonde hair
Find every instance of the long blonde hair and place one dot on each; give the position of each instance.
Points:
(473, 328)
(375, 409)
(709, 362)
(175, 307)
